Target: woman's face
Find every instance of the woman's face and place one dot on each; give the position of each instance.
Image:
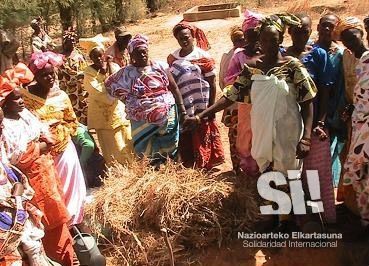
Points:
(251, 36)
(46, 77)
(97, 57)
(14, 103)
(300, 35)
(68, 45)
(326, 27)
(185, 38)
(140, 57)
(239, 42)
(352, 39)
(270, 40)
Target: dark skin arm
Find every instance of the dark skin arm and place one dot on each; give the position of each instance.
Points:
(212, 93)
(307, 117)
(219, 105)
(323, 97)
(177, 95)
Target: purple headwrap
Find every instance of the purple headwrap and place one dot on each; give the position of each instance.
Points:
(252, 20)
(138, 41)
(41, 59)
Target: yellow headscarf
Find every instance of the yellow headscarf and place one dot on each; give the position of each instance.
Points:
(346, 24)
(88, 44)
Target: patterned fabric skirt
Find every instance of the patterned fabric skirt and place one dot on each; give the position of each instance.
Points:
(156, 142)
(202, 147)
(319, 158)
(243, 141)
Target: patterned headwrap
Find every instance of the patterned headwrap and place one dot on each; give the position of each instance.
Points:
(236, 33)
(138, 41)
(70, 35)
(41, 59)
(201, 40)
(346, 24)
(280, 21)
(252, 20)
(13, 78)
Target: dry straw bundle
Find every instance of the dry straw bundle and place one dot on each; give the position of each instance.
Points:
(138, 203)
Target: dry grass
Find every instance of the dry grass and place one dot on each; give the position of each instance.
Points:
(136, 203)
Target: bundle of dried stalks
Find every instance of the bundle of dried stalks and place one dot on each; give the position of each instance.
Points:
(136, 203)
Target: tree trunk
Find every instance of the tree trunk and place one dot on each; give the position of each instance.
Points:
(66, 15)
(119, 12)
(153, 5)
(96, 6)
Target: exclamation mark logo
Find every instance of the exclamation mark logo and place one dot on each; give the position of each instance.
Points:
(314, 188)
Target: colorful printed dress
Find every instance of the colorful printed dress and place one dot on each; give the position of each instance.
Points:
(22, 138)
(276, 122)
(71, 81)
(106, 115)
(201, 147)
(150, 106)
(56, 111)
(230, 114)
(20, 221)
(357, 162)
(241, 118)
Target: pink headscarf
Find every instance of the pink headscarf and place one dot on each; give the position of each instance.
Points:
(138, 41)
(40, 60)
(252, 20)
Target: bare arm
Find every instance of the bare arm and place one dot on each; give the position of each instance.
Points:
(177, 95)
(219, 105)
(323, 102)
(303, 146)
(307, 117)
(213, 92)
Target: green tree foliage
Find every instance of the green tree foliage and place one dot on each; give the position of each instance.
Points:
(87, 15)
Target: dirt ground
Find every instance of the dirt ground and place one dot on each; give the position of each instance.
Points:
(162, 43)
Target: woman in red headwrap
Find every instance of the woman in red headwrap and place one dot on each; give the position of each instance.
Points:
(193, 71)
(27, 145)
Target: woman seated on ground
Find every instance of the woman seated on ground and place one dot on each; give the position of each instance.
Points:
(53, 107)
(193, 71)
(27, 146)
(150, 95)
(105, 114)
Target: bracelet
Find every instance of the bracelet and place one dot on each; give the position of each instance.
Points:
(198, 119)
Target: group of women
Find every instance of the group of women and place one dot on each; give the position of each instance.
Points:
(301, 107)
